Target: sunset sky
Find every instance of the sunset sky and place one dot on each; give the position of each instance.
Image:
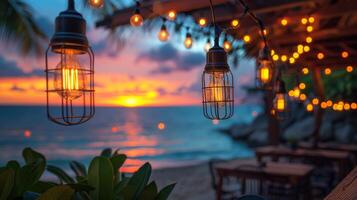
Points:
(144, 72)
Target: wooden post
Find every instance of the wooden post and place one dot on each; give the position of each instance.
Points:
(319, 91)
(273, 124)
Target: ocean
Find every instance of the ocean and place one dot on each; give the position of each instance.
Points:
(163, 136)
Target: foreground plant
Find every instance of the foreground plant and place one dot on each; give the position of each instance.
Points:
(102, 180)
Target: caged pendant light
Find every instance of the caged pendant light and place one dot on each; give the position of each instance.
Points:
(280, 102)
(264, 71)
(70, 82)
(217, 82)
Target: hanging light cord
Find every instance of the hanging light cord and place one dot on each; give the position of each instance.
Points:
(217, 30)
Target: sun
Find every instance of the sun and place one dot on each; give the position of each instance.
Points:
(130, 101)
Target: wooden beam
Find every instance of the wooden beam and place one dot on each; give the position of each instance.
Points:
(320, 93)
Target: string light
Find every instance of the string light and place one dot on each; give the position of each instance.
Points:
(296, 94)
(327, 71)
(344, 54)
(202, 22)
(300, 48)
(171, 15)
(323, 105)
(315, 101)
(272, 52)
(303, 97)
(291, 93)
(235, 23)
(227, 45)
(163, 35)
(320, 56)
(304, 20)
(353, 106)
(284, 58)
(246, 38)
(188, 41)
(346, 106)
(329, 103)
(349, 68)
(284, 22)
(291, 60)
(306, 48)
(311, 20)
(309, 29)
(296, 55)
(275, 57)
(96, 3)
(302, 86)
(309, 107)
(308, 39)
(136, 19)
(305, 70)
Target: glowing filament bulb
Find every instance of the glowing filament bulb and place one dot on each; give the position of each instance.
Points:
(349, 68)
(284, 22)
(171, 15)
(188, 41)
(202, 22)
(308, 39)
(69, 78)
(296, 93)
(304, 20)
(246, 38)
(227, 45)
(309, 29)
(216, 92)
(305, 70)
(163, 35)
(344, 54)
(136, 20)
(235, 23)
(96, 3)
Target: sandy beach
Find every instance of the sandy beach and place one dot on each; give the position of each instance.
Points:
(193, 182)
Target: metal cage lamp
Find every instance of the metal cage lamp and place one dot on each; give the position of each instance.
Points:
(70, 71)
(217, 84)
(264, 71)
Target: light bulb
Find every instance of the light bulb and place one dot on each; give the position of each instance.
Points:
(188, 41)
(207, 45)
(136, 20)
(216, 89)
(246, 38)
(69, 78)
(171, 15)
(96, 3)
(202, 22)
(264, 71)
(235, 23)
(227, 45)
(163, 35)
(296, 92)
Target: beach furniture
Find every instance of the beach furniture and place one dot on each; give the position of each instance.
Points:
(272, 179)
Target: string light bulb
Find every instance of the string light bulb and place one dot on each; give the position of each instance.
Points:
(227, 45)
(136, 19)
(284, 22)
(171, 15)
(302, 97)
(296, 93)
(202, 22)
(311, 20)
(344, 54)
(306, 48)
(291, 60)
(284, 58)
(349, 68)
(296, 55)
(246, 38)
(188, 41)
(309, 29)
(305, 70)
(96, 3)
(235, 23)
(309, 107)
(304, 20)
(302, 86)
(315, 101)
(275, 57)
(163, 34)
(327, 71)
(320, 56)
(308, 39)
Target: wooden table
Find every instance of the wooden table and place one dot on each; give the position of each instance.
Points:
(346, 189)
(332, 146)
(286, 173)
(340, 158)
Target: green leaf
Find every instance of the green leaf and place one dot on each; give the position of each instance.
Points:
(29, 175)
(61, 192)
(165, 192)
(120, 186)
(117, 162)
(62, 175)
(32, 156)
(78, 168)
(100, 176)
(150, 192)
(41, 186)
(106, 153)
(7, 181)
(137, 182)
(81, 187)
